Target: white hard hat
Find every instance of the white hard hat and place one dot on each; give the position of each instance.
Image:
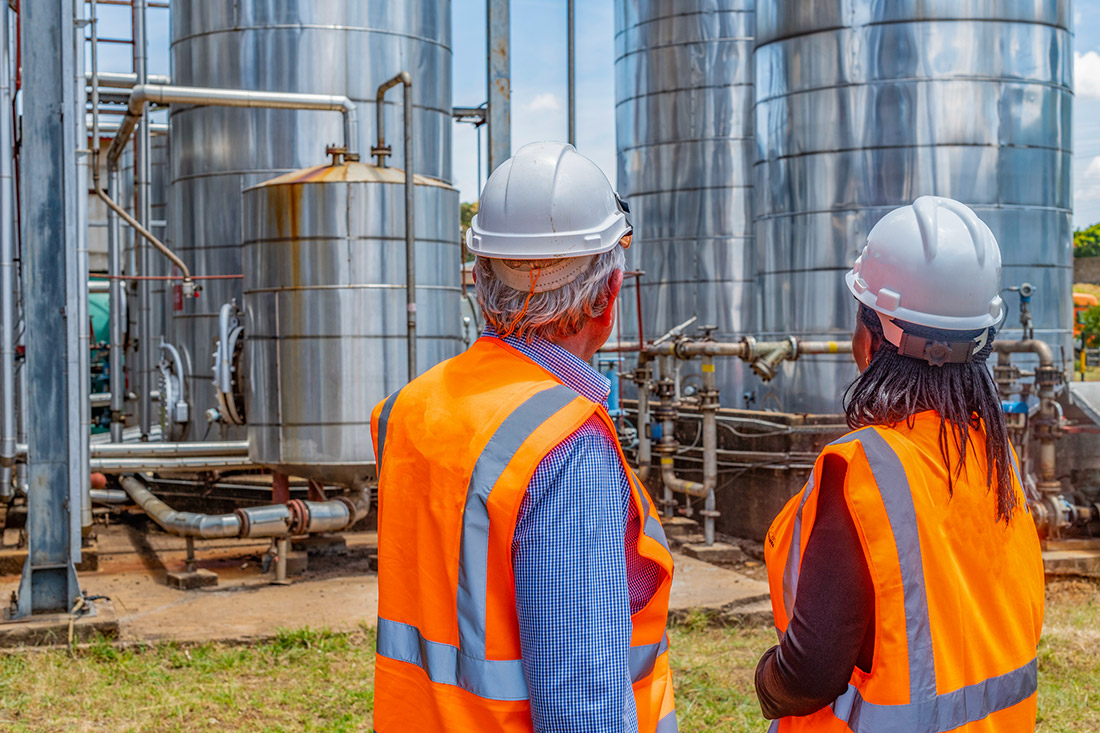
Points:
(934, 264)
(547, 201)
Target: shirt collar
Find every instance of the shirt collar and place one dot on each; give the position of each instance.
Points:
(574, 373)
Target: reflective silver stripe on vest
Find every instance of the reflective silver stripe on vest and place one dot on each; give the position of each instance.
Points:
(488, 678)
(474, 550)
(446, 665)
(794, 553)
(667, 724)
(944, 712)
(642, 658)
(383, 423)
(651, 526)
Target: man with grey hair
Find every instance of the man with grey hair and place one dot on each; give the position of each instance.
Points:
(523, 573)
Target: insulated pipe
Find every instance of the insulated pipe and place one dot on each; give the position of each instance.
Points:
(172, 450)
(273, 520)
(165, 94)
(109, 496)
(117, 323)
(81, 387)
(7, 272)
(380, 152)
(178, 464)
(112, 80)
(143, 209)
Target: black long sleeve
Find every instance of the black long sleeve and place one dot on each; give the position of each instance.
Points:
(831, 630)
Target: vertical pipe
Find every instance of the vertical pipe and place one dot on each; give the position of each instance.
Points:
(410, 231)
(81, 387)
(117, 323)
(710, 447)
(48, 193)
(7, 270)
(143, 187)
(668, 433)
(499, 82)
(571, 32)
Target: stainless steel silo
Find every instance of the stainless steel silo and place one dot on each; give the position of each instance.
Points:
(343, 47)
(324, 296)
(683, 122)
(864, 105)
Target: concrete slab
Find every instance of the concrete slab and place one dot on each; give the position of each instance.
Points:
(1072, 562)
(53, 629)
(183, 580)
(677, 527)
(700, 586)
(719, 552)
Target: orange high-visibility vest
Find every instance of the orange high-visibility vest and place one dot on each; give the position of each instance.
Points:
(958, 595)
(456, 450)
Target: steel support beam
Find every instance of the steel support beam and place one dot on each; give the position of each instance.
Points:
(49, 192)
(499, 82)
(143, 211)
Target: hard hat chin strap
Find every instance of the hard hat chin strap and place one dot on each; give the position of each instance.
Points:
(936, 353)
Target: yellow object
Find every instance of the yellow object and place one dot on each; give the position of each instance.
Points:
(708, 367)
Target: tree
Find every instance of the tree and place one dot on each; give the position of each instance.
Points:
(1086, 242)
(466, 213)
(1090, 327)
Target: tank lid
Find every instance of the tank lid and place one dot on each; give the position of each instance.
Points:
(354, 172)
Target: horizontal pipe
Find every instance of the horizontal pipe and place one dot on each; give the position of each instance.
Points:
(124, 80)
(158, 450)
(742, 349)
(1034, 346)
(109, 496)
(272, 520)
(190, 464)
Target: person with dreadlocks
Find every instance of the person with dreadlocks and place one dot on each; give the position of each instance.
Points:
(523, 575)
(906, 577)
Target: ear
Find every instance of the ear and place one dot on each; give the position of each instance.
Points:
(863, 346)
(614, 285)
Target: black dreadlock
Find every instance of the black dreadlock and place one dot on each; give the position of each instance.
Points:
(894, 388)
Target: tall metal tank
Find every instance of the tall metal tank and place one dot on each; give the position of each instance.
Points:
(345, 47)
(324, 295)
(683, 124)
(864, 105)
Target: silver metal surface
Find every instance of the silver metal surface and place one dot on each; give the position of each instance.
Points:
(862, 106)
(337, 48)
(80, 386)
(146, 344)
(207, 526)
(684, 96)
(7, 270)
(48, 195)
(498, 41)
(160, 450)
(325, 307)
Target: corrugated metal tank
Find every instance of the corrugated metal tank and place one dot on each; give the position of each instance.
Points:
(862, 106)
(323, 46)
(683, 123)
(324, 296)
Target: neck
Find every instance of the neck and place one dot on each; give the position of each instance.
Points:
(585, 344)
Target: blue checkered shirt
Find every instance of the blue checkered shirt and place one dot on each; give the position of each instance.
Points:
(579, 576)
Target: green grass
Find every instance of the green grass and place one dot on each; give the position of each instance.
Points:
(309, 680)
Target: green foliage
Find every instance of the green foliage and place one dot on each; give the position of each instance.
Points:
(1090, 327)
(1086, 242)
(466, 213)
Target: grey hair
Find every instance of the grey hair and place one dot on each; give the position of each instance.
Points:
(554, 314)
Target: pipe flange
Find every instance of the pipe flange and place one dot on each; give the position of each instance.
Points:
(750, 348)
(299, 517)
(709, 513)
(242, 517)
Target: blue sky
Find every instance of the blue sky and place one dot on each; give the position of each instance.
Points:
(539, 82)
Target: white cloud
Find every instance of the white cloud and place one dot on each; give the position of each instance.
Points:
(549, 102)
(1086, 74)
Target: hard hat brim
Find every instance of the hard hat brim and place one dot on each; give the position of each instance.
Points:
(946, 323)
(542, 246)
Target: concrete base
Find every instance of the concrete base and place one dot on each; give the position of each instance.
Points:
(297, 562)
(13, 559)
(719, 552)
(53, 629)
(677, 527)
(320, 544)
(183, 580)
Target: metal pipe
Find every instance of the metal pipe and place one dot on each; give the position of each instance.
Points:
(1047, 378)
(272, 520)
(143, 209)
(181, 464)
(381, 151)
(81, 386)
(642, 376)
(709, 406)
(117, 319)
(571, 81)
(164, 94)
(109, 496)
(115, 80)
(7, 272)
(207, 526)
(170, 450)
